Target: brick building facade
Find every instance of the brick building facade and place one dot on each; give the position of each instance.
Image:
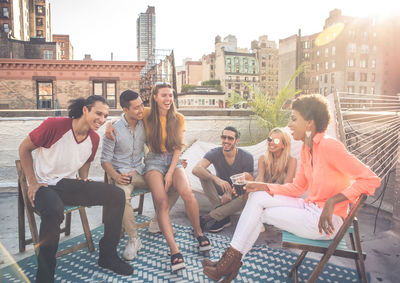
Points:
(50, 84)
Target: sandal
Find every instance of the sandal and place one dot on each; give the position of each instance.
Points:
(204, 247)
(177, 262)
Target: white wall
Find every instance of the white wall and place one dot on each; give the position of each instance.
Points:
(14, 130)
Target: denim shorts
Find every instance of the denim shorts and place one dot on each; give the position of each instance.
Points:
(159, 162)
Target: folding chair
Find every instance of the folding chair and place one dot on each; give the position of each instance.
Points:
(337, 246)
(136, 192)
(24, 203)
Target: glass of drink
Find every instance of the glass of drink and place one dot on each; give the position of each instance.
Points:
(239, 181)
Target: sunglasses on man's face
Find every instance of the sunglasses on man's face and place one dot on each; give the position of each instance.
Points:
(275, 140)
(223, 137)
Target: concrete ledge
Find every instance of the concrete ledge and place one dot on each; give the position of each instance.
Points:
(117, 112)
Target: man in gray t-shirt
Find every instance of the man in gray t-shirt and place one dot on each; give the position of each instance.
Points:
(227, 160)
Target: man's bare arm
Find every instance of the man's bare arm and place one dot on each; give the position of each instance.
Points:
(25, 155)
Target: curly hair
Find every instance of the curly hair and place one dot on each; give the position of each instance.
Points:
(313, 107)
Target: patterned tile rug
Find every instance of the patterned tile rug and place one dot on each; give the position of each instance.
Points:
(263, 264)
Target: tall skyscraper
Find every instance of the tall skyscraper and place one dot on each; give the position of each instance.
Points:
(146, 34)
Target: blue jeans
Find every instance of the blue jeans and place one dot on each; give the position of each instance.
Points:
(159, 162)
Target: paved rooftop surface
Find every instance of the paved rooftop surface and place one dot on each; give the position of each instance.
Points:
(382, 247)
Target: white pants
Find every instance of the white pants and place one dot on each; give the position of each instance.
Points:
(286, 213)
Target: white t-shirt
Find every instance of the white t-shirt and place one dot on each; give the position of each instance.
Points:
(59, 154)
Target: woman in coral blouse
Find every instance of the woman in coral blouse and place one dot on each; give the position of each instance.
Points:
(333, 177)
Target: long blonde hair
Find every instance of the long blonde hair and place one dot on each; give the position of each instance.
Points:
(275, 169)
(174, 138)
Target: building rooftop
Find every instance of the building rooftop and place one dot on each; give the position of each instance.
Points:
(382, 246)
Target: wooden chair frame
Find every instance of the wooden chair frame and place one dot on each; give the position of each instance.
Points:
(25, 205)
(332, 248)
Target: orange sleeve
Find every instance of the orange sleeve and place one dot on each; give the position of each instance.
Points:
(364, 180)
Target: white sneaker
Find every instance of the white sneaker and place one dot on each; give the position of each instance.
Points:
(154, 228)
(132, 248)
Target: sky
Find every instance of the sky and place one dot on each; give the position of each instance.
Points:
(100, 27)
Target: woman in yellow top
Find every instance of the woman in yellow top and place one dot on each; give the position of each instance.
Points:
(164, 133)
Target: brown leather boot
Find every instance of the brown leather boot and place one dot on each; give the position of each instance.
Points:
(227, 266)
(208, 262)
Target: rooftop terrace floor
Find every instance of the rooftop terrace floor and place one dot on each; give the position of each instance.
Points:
(382, 247)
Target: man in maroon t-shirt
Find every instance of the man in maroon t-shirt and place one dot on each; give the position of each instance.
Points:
(59, 177)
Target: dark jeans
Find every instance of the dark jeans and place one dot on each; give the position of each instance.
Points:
(50, 202)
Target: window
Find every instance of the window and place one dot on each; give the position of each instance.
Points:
(39, 33)
(333, 50)
(350, 62)
(317, 53)
(47, 54)
(363, 63)
(44, 93)
(372, 77)
(326, 65)
(5, 12)
(107, 89)
(363, 89)
(364, 49)
(372, 90)
(333, 78)
(326, 78)
(350, 89)
(363, 77)
(351, 76)
(317, 67)
(373, 63)
(351, 47)
(326, 52)
(39, 22)
(39, 10)
(352, 33)
(333, 64)
(365, 35)
(6, 28)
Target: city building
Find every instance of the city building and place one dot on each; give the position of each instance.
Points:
(355, 55)
(146, 34)
(14, 19)
(39, 19)
(193, 72)
(267, 56)
(208, 66)
(25, 31)
(235, 68)
(201, 97)
(160, 68)
(34, 48)
(66, 49)
(50, 84)
(180, 80)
